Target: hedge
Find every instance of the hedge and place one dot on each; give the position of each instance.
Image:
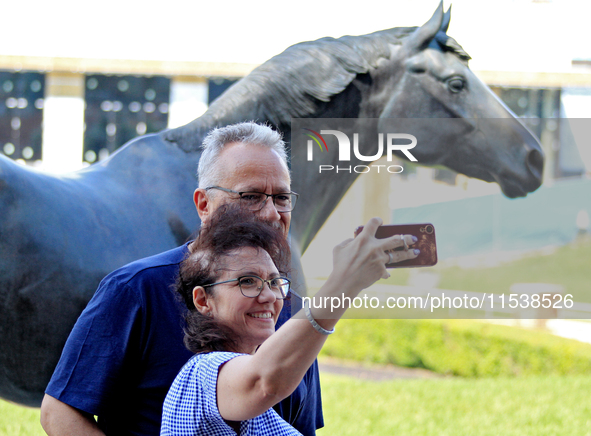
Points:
(458, 347)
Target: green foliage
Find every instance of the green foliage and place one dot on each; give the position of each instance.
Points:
(458, 347)
(536, 405)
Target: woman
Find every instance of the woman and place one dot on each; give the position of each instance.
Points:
(234, 283)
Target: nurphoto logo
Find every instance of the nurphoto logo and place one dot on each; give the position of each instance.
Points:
(344, 150)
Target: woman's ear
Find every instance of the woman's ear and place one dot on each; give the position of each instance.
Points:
(201, 300)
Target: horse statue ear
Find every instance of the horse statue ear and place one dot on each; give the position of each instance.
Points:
(422, 37)
(446, 19)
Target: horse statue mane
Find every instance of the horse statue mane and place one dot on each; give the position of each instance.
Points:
(298, 81)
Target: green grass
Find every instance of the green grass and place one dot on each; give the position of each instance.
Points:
(527, 406)
(532, 406)
(19, 421)
(569, 266)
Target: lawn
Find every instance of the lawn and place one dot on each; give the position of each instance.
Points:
(19, 421)
(532, 406)
(526, 406)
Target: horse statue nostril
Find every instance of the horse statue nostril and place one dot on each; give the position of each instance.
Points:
(535, 163)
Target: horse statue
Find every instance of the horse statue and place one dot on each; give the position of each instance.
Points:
(60, 235)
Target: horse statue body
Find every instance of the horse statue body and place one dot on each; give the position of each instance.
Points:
(60, 235)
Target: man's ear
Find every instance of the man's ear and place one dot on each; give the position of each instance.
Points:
(201, 300)
(202, 203)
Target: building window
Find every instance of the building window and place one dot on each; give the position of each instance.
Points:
(21, 114)
(120, 108)
(217, 86)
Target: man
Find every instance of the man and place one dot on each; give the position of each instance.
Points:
(127, 346)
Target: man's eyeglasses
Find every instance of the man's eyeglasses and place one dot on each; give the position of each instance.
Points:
(255, 201)
(252, 286)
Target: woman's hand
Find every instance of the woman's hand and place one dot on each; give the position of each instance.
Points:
(361, 261)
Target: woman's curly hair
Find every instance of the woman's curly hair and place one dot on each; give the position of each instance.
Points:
(229, 228)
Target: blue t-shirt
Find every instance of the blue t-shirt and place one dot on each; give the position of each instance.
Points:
(191, 406)
(127, 348)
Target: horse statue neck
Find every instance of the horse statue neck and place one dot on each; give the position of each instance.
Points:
(241, 102)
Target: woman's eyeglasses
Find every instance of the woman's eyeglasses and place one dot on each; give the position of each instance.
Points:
(251, 286)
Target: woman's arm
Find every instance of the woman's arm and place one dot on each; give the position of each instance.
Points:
(249, 385)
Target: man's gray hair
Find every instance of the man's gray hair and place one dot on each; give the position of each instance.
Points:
(247, 133)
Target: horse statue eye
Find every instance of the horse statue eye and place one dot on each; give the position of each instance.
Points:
(456, 84)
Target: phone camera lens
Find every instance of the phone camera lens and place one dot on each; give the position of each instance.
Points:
(429, 229)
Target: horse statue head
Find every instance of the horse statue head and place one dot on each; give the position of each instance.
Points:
(455, 107)
(414, 80)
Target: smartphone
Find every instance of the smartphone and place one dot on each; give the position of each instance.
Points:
(425, 234)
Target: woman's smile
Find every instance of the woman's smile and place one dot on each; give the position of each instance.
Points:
(261, 315)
